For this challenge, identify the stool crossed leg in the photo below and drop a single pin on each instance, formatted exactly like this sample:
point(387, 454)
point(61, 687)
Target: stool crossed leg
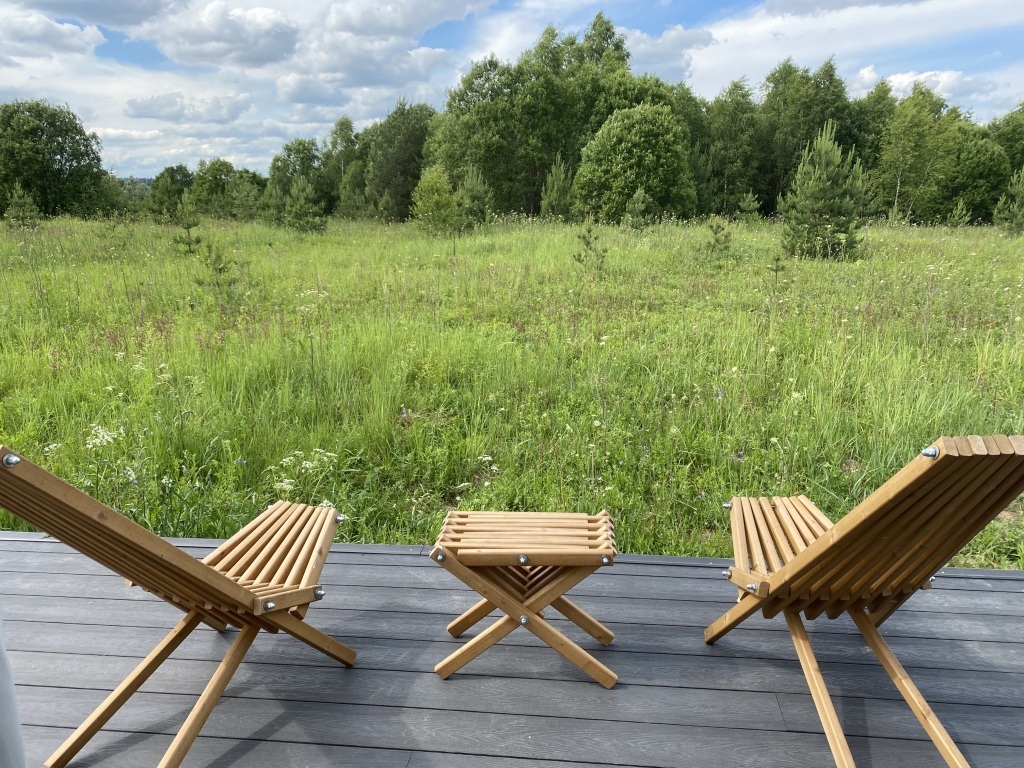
point(523, 599)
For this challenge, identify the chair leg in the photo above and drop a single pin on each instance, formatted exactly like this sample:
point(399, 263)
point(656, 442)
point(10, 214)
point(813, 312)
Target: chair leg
point(123, 692)
point(470, 617)
point(201, 711)
point(939, 736)
point(466, 653)
point(583, 620)
point(312, 637)
point(729, 620)
point(822, 701)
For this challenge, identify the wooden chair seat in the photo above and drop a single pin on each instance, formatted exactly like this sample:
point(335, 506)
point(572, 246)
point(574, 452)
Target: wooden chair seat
point(790, 558)
point(263, 577)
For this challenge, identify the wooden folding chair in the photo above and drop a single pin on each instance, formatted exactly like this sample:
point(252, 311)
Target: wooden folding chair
point(521, 563)
point(791, 559)
point(264, 577)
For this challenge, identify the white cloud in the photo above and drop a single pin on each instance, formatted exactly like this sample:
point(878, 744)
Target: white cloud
point(176, 108)
point(219, 35)
point(406, 18)
point(253, 74)
point(31, 35)
point(669, 54)
point(752, 44)
point(106, 12)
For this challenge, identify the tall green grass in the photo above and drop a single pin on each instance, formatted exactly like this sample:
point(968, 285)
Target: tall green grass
point(379, 370)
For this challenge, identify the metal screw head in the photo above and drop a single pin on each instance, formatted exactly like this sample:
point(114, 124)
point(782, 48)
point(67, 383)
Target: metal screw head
point(931, 579)
point(725, 573)
point(605, 560)
point(932, 452)
point(319, 594)
point(10, 460)
point(752, 587)
point(269, 606)
point(440, 556)
point(524, 620)
point(727, 505)
point(339, 519)
point(523, 559)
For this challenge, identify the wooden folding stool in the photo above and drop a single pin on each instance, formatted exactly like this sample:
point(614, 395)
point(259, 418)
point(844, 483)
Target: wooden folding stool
point(521, 563)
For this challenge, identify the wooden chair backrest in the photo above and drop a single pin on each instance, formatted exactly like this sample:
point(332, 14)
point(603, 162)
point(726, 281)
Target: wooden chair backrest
point(125, 547)
point(894, 541)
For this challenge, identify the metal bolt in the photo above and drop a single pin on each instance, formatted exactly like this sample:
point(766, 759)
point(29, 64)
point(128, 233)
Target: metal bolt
point(440, 557)
point(339, 519)
point(524, 620)
point(725, 573)
point(269, 606)
point(523, 559)
point(752, 587)
point(932, 452)
point(319, 594)
point(931, 579)
point(605, 560)
point(11, 460)
point(727, 505)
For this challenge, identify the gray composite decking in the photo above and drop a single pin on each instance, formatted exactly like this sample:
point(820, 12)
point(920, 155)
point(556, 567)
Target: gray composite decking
point(74, 630)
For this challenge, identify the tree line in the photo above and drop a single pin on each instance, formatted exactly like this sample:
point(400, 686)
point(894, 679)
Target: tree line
point(564, 131)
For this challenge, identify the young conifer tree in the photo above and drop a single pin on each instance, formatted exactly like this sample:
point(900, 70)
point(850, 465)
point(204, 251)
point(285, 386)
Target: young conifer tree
point(556, 194)
point(1009, 212)
point(22, 212)
point(822, 210)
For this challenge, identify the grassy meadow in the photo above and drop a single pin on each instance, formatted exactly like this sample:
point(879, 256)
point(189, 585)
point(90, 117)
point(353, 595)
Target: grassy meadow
point(375, 369)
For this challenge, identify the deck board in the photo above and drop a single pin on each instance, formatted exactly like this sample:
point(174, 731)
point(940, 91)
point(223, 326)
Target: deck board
point(74, 630)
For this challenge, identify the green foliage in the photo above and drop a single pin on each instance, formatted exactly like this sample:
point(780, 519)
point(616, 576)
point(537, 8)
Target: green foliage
point(721, 237)
point(911, 166)
point(210, 185)
point(960, 216)
point(302, 210)
point(435, 206)
point(556, 194)
point(22, 212)
point(869, 118)
point(167, 189)
point(394, 157)
point(821, 211)
point(795, 106)
point(352, 202)
point(190, 405)
point(639, 211)
point(298, 158)
point(748, 208)
point(591, 253)
point(976, 173)
point(272, 204)
point(186, 217)
point(47, 151)
point(1009, 213)
point(474, 198)
point(244, 192)
point(1008, 131)
point(339, 151)
point(732, 154)
point(641, 146)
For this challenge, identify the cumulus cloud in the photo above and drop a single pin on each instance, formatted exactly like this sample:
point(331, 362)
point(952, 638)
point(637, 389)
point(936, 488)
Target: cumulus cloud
point(36, 35)
point(667, 54)
point(174, 107)
point(952, 85)
point(248, 37)
point(107, 12)
point(406, 18)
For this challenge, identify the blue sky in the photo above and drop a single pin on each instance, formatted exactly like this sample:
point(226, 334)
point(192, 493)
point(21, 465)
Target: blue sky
point(176, 81)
